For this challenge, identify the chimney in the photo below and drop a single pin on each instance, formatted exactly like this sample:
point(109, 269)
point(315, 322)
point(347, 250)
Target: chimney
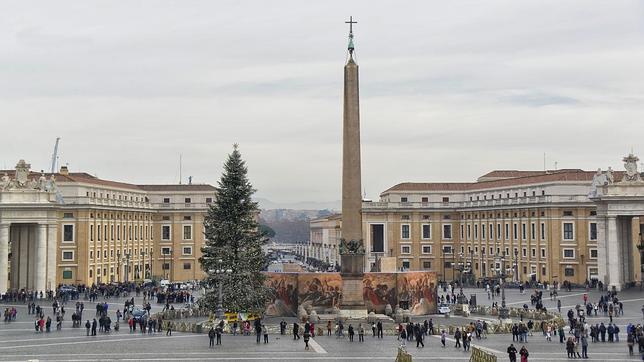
point(64, 170)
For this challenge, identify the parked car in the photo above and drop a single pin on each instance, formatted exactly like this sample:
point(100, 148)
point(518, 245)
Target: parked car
point(443, 309)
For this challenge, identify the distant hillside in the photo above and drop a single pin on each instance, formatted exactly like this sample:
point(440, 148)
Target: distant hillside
point(300, 205)
point(290, 226)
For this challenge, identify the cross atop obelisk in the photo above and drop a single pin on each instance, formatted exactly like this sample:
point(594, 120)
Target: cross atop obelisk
point(351, 47)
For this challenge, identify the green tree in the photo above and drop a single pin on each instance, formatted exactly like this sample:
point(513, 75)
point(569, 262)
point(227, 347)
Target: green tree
point(234, 242)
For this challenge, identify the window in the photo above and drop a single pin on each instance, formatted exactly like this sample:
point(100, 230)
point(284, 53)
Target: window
point(447, 264)
point(404, 231)
point(68, 255)
point(543, 231)
point(498, 231)
point(165, 251)
point(568, 231)
point(592, 234)
point(447, 249)
point(403, 199)
point(68, 215)
point(524, 252)
point(569, 272)
point(427, 264)
point(533, 231)
point(507, 231)
point(427, 249)
point(166, 200)
point(445, 199)
point(91, 255)
point(515, 231)
point(91, 273)
point(405, 249)
point(165, 232)
point(491, 231)
point(91, 232)
point(483, 232)
point(187, 250)
point(476, 231)
point(569, 253)
point(533, 252)
point(405, 217)
point(405, 264)
point(593, 213)
point(447, 231)
point(543, 270)
point(187, 200)
point(543, 252)
point(427, 231)
point(593, 253)
point(523, 231)
point(187, 232)
point(165, 218)
point(462, 231)
point(208, 200)
point(187, 266)
point(68, 233)
point(377, 238)
point(469, 231)
point(424, 200)
point(165, 266)
point(567, 213)
point(67, 274)
point(187, 217)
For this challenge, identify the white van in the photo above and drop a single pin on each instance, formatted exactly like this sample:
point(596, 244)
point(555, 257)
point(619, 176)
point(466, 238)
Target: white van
point(164, 283)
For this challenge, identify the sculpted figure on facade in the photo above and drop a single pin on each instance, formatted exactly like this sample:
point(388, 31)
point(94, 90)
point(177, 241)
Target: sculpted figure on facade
point(5, 182)
point(42, 182)
point(630, 164)
point(599, 179)
point(609, 175)
point(33, 183)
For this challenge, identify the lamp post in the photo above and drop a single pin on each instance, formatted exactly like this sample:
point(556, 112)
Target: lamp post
point(640, 247)
point(516, 265)
point(461, 267)
point(503, 311)
point(220, 272)
point(127, 266)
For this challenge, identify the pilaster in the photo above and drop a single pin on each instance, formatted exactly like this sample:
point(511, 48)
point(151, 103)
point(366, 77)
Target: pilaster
point(4, 257)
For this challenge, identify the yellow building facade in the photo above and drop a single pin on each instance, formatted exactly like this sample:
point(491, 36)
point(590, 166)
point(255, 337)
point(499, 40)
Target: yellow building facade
point(102, 231)
point(529, 225)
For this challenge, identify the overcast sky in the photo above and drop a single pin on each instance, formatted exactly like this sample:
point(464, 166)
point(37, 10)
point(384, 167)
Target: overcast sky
point(449, 90)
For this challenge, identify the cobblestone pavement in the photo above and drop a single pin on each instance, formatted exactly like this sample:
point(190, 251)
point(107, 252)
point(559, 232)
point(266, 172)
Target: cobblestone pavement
point(18, 341)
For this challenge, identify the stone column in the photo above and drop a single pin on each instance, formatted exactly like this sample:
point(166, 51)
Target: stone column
point(602, 250)
point(614, 267)
point(52, 252)
point(23, 261)
point(40, 266)
point(4, 257)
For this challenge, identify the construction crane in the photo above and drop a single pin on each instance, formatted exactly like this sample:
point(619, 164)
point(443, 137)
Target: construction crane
point(54, 156)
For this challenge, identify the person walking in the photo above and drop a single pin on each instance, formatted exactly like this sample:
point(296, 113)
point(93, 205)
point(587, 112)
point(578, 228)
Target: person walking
point(373, 329)
point(88, 325)
point(584, 346)
point(570, 348)
point(168, 331)
point(457, 337)
point(218, 332)
point(523, 352)
point(512, 353)
point(296, 331)
point(379, 326)
point(211, 337)
point(329, 326)
point(94, 327)
point(419, 338)
point(360, 333)
point(307, 336)
point(351, 332)
point(265, 333)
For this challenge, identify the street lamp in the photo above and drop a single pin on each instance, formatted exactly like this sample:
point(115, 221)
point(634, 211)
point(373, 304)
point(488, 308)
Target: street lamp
point(516, 265)
point(461, 267)
point(127, 265)
point(640, 247)
point(220, 272)
point(503, 311)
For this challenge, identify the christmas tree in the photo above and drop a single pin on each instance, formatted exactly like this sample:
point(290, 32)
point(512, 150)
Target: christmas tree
point(234, 244)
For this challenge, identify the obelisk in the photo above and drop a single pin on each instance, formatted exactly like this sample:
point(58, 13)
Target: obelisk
point(351, 246)
point(351, 173)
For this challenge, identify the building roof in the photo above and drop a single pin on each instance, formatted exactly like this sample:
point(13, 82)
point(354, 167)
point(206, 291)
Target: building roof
point(527, 179)
point(83, 177)
point(189, 187)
